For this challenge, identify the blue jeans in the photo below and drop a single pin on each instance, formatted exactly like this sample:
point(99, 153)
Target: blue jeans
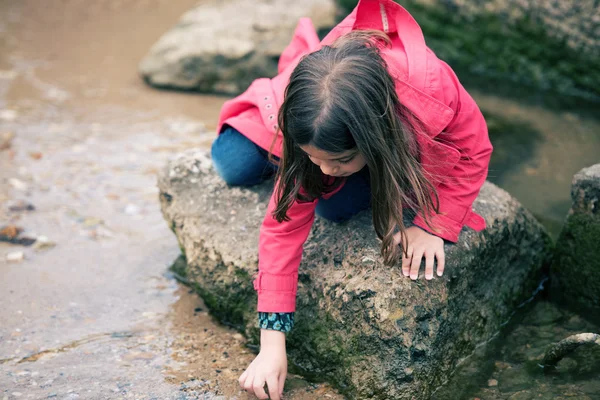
point(240, 162)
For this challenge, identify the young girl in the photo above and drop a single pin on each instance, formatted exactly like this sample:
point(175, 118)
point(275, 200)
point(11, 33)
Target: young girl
point(368, 117)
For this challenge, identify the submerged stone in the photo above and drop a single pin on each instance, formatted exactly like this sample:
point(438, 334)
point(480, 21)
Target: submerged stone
point(576, 266)
point(360, 325)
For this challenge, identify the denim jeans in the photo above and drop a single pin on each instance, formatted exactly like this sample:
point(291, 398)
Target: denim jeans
point(240, 162)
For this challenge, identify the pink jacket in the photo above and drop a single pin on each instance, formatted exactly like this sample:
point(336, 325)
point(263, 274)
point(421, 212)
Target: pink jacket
point(455, 148)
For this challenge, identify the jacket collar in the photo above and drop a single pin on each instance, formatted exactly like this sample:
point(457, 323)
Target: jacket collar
point(390, 17)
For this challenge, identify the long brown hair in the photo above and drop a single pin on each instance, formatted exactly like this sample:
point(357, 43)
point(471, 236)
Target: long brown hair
point(342, 97)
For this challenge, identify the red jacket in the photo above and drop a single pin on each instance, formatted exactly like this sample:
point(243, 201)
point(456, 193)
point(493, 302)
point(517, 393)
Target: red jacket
point(455, 149)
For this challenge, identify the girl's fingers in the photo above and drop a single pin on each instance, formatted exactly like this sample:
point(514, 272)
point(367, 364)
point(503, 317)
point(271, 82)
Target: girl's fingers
point(441, 261)
point(258, 386)
point(248, 383)
point(406, 262)
point(429, 259)
point(415, 264)
point(281, 383)
point(273, 386)
point(242, 378)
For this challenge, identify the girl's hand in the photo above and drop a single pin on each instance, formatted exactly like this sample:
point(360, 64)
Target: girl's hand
point(269, 366)
point(422, 244)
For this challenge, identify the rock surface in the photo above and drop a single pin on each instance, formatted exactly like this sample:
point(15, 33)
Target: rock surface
point(360, 325)
point(223, 46)
point(577, 22)
point(576, 267)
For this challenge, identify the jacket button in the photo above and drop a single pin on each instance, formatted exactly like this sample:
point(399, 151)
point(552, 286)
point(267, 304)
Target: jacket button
point(271, 117)
point(275, 127)
point(268, 106)
point(266, 98)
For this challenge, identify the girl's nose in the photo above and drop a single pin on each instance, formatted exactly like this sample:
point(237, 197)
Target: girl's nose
point(328, 170)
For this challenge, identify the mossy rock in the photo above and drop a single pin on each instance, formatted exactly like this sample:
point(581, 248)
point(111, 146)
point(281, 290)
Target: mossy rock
point(576, 266)
point(528, 43)
point(360, 325)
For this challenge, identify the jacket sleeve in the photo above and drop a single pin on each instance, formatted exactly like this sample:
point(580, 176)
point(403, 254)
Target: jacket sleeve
point(279, 254)
point(467, 132)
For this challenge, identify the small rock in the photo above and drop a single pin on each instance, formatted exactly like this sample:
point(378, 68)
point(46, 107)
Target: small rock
point(18, 184)
point(8, 115)
point(42, 242)
point(92, 221)
point(492, 382)
point(6, 140)
point(21, 206)
point(16, 256)
point(10, 232)
point(522, 395)
point(132, 209)
point(36, 155)
point(102, 231)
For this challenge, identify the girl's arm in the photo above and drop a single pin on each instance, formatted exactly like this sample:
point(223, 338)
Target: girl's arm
point(279, 255)
point(467, 132)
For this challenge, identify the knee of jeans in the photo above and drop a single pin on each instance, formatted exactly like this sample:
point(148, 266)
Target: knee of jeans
point(234, 173)
point(215, 149)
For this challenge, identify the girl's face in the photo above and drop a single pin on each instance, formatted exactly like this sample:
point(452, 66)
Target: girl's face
point(336, 164)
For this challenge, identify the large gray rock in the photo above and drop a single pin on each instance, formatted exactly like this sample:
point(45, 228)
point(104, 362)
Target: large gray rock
point(360, 325)
point(576, 267)
point(222, 46)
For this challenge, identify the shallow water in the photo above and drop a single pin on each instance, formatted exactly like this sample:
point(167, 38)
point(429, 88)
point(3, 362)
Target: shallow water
point(509, 367)
point(98, 315)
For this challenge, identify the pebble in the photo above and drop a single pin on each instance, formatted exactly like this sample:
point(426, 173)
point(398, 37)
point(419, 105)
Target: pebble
point(8, 115)
point(20, 206)
point(18, 184)
point(15, 256)
point(132, 209)
point(10, 231)
point(492, 382)
point(42, 242)
point(92, 221)
point(6, 140)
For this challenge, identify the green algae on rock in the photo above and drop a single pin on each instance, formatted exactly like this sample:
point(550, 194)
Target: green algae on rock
point(576, 266)
point(547, 44)
point(360, 325)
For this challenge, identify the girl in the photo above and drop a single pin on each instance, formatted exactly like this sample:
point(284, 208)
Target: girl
point(370, 118)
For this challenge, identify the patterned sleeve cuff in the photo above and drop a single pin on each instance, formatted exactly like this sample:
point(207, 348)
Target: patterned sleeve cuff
point(282, 322)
